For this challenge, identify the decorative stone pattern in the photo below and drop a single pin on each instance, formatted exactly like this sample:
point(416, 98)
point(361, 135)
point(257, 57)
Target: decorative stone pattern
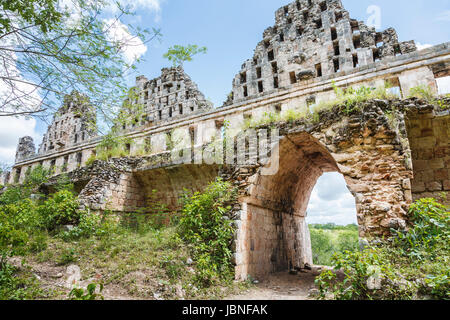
point(389, 152)
point(73, 124)
point(312, 39)
point(25, 149)
point(171, 96)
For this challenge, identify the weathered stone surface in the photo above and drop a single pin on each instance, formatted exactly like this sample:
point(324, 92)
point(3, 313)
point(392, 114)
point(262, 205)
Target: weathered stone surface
point(390, 152)
point(25, 149)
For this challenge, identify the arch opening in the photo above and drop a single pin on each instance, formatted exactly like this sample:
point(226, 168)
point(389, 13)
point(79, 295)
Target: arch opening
point(331, 219)
point(274, 235)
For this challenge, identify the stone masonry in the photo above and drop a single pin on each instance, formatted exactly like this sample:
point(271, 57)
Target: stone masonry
point(312, 39)
point(390, 152)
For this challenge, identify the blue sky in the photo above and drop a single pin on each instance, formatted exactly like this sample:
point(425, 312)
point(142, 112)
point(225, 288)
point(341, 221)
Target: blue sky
point(230, 30)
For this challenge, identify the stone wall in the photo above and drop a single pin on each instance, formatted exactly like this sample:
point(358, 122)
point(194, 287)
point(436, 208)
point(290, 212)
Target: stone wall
point(429, 136)
point(25, 149)
point(312, 39)
point(369, 149)
point(72, 124)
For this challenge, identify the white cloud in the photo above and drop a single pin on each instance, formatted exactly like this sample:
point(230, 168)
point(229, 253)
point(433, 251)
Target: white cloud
point(331, 201)
point(12, 92)
point(152, 6)
point(11, 129)
point(444, 16)
point(423, 46)
point(132, 47)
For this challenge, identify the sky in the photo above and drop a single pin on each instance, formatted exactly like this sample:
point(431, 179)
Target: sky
point(231, 30)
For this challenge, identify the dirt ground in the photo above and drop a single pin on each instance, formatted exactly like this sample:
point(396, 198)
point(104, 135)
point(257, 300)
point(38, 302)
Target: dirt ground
point(281, 286)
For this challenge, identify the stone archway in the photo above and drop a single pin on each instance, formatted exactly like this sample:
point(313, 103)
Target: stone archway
point(272, 233)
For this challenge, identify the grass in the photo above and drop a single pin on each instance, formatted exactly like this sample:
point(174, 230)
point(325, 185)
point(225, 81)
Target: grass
point(348, 98)
point(138, 264)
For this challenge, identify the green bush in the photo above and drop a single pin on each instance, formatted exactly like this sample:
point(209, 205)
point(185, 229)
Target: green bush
point(14, 286)
point(60, 209)
point(422, 92)
point(33, 180)
point(410, 265)
point(431, 224)
point(327, 239)
point(205, 226)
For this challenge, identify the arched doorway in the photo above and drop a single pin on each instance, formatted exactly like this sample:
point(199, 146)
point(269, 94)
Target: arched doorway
point(273, 233)
point(332, 219)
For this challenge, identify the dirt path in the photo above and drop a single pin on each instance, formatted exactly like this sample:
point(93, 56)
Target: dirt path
point(281, 286)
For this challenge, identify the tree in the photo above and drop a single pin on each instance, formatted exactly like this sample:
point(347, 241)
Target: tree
point(4, 167)
point(48, 51)
point(179, 54)
point(41, 13)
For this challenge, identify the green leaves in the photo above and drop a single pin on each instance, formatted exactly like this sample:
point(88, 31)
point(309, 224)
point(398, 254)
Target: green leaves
point(55, 50)
point(179, 54)
point(60, 209)
point(410, 265)
point(88, 294)
point(203, 224)
point(42, 13)
point(431, 224)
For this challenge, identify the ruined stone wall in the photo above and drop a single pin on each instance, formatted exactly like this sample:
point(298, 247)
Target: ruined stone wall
point(72, 124)
point(368, 148)
point(312, 39)
point(429, 137)
point(171, 96)
point(408, 70)
point(25, 149)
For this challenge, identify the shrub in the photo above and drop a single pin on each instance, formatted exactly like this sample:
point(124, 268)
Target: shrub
point(60, 209)
point(91, 225)
point(89, 294)
point(205, 226)
point(321, 246)
point(422, 92)
point(14, 286)
point(33, 179)
point(412, 264)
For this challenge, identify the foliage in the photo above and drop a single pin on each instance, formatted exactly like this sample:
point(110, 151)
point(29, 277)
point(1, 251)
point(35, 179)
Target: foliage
point(59, 48)
point(33, 180)
point(42, 13)
point(422, 92)
point(68, 256)
point(60, 209)
point(180, 54)
point(205, 226)
point(347, 99)
point(410, 265)
point(89, 294)
point(431, 225)
point(350, 98)
point(15, 286)
point(328, 239)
